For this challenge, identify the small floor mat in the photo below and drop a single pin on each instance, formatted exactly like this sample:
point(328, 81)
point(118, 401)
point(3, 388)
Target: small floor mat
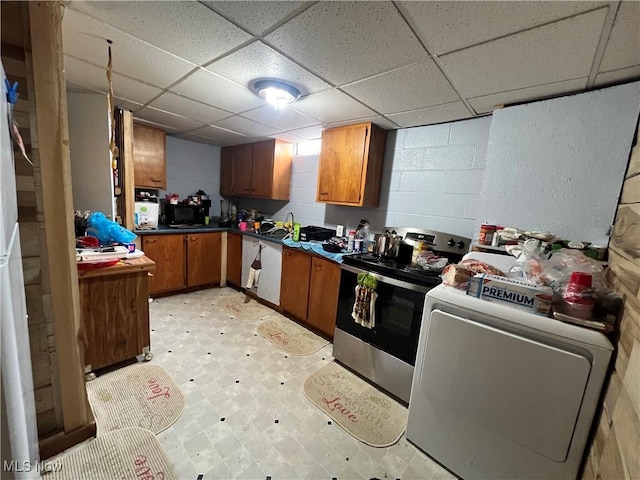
point(128, 453)
point(366, 413)
point(141, 395)
point(291, 337)
point(241, 306)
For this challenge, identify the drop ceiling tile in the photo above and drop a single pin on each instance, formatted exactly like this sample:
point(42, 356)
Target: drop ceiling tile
point(560, 51)
point(182, 28)
point(167, 128)
point(382, 122)
point(127, 104)
point(447, 26)
point(197, 139)
point(186, 107)
point(212, 89)
point(331, 106)
point(94, 77)
point(308, 133)
point(618, 75)
point(408, 88)
point(256, 17)
point(245, 126)
point(623, 46)
point(284, 119)
point(85, 38)
point(486, 103)
point(258, 61)
point(428, 116)
point(222, 136)
point(166, 118)
point(348, 41)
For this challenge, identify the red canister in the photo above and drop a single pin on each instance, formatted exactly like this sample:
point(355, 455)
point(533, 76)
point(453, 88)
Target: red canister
point(486, 234)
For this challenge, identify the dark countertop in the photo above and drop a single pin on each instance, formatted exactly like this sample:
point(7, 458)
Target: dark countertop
point(166, 230)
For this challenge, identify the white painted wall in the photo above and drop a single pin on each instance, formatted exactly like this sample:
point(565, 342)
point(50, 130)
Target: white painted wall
point(191, 167)
point(432, 178)
point(558, 165)
point(89, 134)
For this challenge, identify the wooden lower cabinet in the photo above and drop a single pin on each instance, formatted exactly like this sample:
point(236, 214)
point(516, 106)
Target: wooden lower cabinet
point(234, 259)
point(294, 290)
point(309, 289)
point(203, 258)
point(168, 252)
point(183, 261)
point(323, 295)
point(115, 313)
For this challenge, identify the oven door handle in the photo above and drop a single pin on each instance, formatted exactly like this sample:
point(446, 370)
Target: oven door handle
point(387, 280)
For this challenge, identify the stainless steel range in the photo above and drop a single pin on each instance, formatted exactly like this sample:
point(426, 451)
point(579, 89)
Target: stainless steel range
point(386, 353)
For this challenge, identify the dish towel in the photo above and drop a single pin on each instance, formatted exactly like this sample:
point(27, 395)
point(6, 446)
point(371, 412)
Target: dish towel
point(254, 271)
point(364, 308)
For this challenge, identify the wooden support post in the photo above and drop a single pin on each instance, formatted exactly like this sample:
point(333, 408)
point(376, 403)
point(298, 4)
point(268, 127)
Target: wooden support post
point(53, 143)
point(128, 189)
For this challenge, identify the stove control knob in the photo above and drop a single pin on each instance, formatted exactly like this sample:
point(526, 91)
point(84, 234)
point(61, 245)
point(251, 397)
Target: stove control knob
point(460, 245)
point(451, 242)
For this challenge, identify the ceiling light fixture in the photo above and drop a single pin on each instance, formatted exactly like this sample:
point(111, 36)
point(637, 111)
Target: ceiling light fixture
point(276, 92)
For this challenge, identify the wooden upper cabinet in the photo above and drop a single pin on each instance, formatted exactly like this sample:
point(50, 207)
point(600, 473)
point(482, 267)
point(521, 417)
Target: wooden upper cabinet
point(261, 169)
point(241, 171)
point(350, 166)
point(226, 172)
point(149, 157)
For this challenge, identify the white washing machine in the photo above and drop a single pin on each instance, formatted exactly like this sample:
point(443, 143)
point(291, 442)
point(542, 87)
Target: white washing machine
point(498, 392)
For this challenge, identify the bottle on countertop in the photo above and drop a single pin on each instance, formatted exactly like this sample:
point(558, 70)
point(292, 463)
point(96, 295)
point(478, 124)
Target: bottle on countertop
point(351, 238)
point(363, 233)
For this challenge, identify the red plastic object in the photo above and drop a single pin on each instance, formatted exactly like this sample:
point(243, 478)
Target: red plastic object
point(581, 278)
point(95, 264)
point(88, 241)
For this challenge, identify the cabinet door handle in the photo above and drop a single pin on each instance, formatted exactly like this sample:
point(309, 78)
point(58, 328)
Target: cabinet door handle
point(156, 180)
point(324, 193)
point(133, 306)
point(152, 240)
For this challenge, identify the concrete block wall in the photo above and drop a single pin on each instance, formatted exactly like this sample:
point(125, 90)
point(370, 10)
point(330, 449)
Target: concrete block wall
point(432, 177)
point(193, 166)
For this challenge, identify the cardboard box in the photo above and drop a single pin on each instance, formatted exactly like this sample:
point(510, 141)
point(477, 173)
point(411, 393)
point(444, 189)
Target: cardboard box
point(533, 298)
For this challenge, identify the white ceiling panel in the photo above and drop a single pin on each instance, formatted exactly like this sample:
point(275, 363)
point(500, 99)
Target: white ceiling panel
point(197, 138)
point(616, 76)
point(258, 61)
point(214, 90)
point(428, 116)
point(256, 16)
point(95, 78)
point(170, 102)
point(331, 106)
point(624, 34)
point(348, 41)
point(224, 137)
point(353, 61)
point(167, 128)
point(189, 30)
point(246, 126)
point(166, 118)
point(85, 38)
point(284, 119)
point(448, 26)
point(560, 51)
point(408, 88)
point(486, 103)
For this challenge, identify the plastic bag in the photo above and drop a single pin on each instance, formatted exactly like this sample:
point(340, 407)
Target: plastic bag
point(564, 262)
point(531, 264)
point(108, 231)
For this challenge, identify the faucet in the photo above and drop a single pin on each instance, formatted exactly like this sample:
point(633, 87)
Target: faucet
point(292, 221)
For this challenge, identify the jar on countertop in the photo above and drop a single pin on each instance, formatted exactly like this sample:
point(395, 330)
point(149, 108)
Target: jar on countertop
point(486, 234)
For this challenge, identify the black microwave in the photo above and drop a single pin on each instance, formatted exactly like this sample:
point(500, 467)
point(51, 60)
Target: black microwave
point(182, 214)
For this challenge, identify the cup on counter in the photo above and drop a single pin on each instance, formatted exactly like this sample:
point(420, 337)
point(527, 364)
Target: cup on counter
point(242, 226)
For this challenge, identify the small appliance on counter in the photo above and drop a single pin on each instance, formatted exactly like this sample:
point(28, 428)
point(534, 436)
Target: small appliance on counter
point(320, 234)
point(146, 213)
point(181, 214)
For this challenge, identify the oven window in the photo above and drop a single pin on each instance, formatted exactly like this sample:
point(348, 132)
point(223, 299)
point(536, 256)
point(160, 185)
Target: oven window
point(398, 316)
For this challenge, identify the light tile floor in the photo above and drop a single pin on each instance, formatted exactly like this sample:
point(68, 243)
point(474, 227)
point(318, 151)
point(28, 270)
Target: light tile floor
point(246, 416)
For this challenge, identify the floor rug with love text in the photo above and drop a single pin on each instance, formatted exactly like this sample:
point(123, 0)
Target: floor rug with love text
point(290, 337)
point(242, 306)
point(133, 453)
point(366, 413)
point(141, 395)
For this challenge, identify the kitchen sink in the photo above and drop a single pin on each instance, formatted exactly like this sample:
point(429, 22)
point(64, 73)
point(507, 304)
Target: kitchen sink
point(278, 233)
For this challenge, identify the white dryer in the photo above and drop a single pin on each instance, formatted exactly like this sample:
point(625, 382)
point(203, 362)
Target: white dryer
point(498, 392)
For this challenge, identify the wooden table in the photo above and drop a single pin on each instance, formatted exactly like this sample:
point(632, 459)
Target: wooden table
point(115, 313)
